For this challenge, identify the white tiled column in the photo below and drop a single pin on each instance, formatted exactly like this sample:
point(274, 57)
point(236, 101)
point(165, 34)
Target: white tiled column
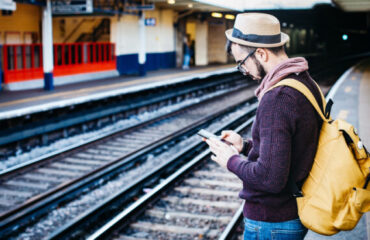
point(47, 46)
point(201, 44)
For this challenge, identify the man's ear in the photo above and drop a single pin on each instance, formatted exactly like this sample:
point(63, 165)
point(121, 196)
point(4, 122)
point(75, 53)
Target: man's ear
point(262, 54)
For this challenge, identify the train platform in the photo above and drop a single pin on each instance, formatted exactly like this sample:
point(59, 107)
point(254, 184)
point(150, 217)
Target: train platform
point(351, 96)
point(20, 103)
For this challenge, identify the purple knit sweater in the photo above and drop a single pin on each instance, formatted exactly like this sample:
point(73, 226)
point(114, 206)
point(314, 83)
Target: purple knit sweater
point(285, 136)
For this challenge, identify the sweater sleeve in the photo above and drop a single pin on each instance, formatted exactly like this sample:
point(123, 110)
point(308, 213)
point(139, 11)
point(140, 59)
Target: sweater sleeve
point(276, 125)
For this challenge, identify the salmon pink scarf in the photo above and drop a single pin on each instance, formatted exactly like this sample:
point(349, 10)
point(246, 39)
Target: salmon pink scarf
point(287, 67)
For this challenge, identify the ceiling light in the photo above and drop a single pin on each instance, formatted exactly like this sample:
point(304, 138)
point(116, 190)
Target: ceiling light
point(190, 5)
point(216, 15)
point(230, 16)
point(171, 1)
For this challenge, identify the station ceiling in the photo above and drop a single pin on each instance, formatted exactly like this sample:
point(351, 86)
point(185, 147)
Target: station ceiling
point(237, 5)
point(248, 5)
point(353, 5)
point(225, 5)
point(182, 5)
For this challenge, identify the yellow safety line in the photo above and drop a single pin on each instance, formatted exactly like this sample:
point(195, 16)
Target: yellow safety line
point(116, 85)
point(363, 110)
point(364, 69)
point(348, 89)
point(343, 114)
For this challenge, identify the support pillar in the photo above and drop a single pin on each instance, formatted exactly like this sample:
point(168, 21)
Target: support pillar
point(201, 44)
point(1, 73)
point(142, 42)
point(47, 46)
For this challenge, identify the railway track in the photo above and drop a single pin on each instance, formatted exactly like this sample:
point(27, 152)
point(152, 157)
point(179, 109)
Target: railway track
point(199, 201)
point(21, 134)
point(178, 156)
point(29, 192)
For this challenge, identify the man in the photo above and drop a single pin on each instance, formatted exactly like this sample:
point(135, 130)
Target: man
point(187, 52)
point(284, 134)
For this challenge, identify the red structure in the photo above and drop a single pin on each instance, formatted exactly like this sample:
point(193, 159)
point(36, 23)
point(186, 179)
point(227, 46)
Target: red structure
point(24, 61)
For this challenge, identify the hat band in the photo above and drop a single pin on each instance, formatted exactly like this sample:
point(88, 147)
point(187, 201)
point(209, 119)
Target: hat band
point(268, 39)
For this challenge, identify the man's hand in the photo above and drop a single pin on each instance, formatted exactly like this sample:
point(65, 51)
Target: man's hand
point(235, 139)
point(222, 151)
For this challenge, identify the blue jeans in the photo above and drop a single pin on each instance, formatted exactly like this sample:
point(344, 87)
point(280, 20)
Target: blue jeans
point(186, 62)
point(289, 230)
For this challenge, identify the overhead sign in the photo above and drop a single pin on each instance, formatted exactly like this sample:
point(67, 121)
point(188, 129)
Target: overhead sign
point(7, 5)
point(140, 7)
point(150, 21)
point(72, 6)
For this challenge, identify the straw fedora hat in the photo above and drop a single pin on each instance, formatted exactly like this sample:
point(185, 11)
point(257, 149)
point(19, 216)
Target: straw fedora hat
point(257, 30)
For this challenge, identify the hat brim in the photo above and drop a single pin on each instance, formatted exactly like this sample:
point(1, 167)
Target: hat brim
point(284, 40)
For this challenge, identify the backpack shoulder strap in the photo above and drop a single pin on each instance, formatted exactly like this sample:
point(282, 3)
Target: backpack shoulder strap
point(306, 92)
point(322, 96)
point(292, 185)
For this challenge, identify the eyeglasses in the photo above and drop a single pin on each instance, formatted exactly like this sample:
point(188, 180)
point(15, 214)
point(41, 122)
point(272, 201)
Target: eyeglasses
point(240, 64)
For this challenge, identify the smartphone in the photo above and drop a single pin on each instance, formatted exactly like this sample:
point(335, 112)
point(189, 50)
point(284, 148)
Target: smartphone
point(204, 133)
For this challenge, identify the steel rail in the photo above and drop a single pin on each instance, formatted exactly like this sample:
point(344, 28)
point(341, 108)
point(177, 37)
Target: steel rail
point(123, 218)
point(24, 131)
point(68, 150)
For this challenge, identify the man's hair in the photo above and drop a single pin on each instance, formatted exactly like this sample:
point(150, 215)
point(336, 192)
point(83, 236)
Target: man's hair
point(275, 50)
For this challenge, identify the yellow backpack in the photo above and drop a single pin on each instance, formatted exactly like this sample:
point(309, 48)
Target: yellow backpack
point(335, 193)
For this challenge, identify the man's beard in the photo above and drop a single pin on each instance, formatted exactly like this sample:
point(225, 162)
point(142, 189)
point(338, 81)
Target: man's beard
point(261, 71)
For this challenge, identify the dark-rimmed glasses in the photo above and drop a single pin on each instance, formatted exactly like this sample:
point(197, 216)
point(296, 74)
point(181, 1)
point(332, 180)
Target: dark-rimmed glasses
point(240, 64)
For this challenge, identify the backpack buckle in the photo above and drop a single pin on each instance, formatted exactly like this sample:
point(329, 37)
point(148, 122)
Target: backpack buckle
point(327, 109)
point(298, 194)
point(367, 181)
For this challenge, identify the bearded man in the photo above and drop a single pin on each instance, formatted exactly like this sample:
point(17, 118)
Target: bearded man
point(284, 134)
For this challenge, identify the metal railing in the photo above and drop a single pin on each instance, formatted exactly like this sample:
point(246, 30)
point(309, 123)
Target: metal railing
point(24, 61)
